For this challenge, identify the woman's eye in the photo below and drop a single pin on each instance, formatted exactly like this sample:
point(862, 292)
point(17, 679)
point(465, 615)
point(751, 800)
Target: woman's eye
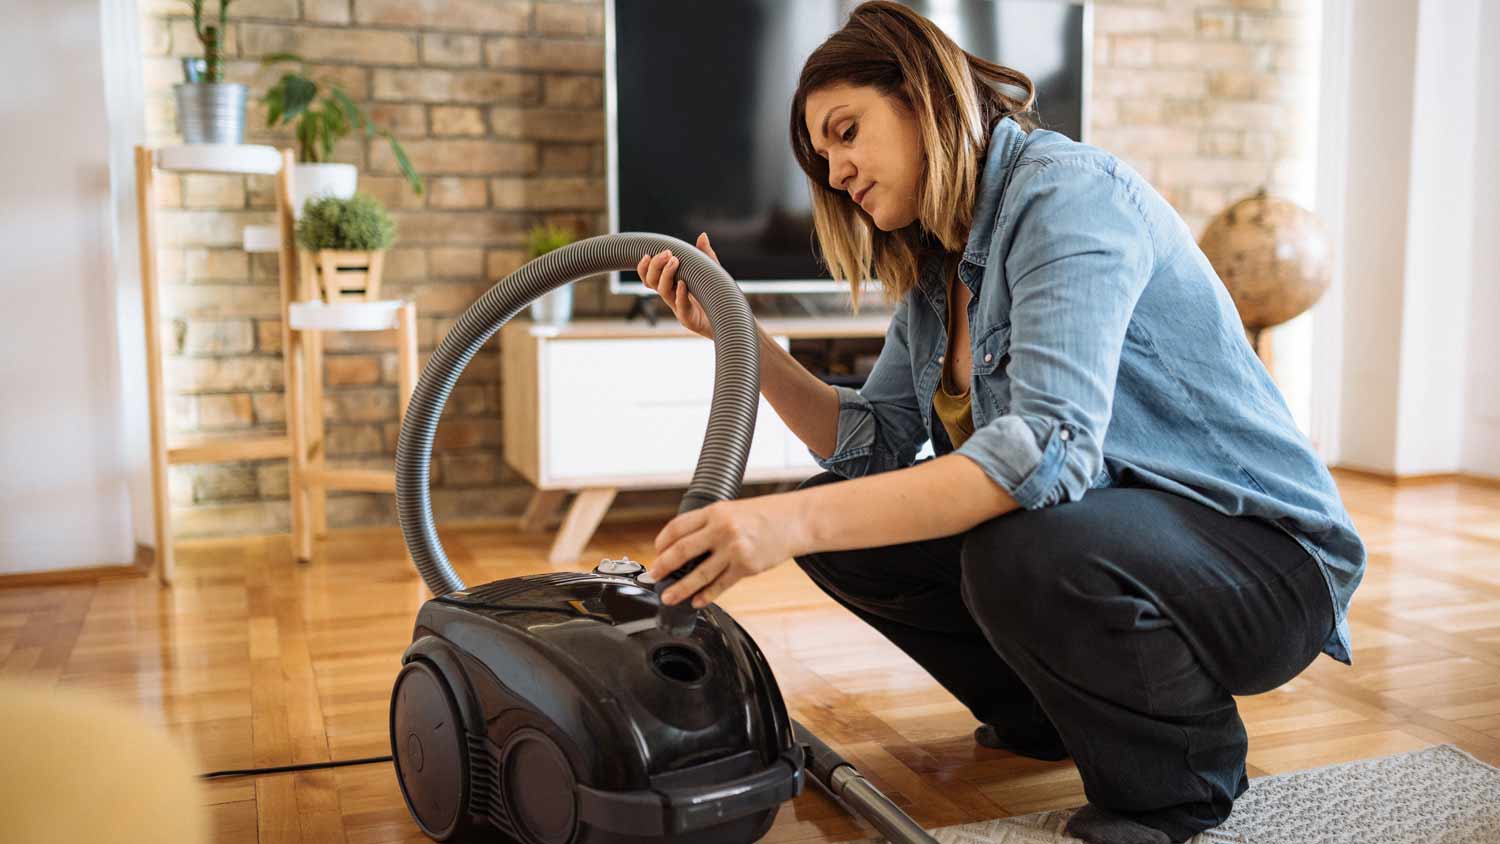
point(850, 132)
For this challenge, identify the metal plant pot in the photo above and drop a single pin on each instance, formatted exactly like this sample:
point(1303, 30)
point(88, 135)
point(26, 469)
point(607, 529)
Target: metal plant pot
point(211, 112)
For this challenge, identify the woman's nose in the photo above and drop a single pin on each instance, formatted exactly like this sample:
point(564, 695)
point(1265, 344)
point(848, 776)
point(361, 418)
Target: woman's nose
point(839, 176)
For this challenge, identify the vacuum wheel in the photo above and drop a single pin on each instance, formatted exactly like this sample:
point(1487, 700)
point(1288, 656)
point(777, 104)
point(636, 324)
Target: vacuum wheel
point(538, 784)
point(428, 745)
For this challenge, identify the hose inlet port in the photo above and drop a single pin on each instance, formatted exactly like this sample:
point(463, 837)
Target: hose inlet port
point(680, 664)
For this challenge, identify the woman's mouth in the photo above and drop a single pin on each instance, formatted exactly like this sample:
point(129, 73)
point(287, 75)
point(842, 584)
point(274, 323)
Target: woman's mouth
point(859, 199)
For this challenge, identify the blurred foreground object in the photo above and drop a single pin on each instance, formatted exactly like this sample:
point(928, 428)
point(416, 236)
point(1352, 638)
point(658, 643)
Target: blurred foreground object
point(1274, 257)
point(77, 768)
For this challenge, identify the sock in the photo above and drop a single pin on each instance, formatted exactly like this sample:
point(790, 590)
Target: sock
point(1101, 826)
point(1047, 748)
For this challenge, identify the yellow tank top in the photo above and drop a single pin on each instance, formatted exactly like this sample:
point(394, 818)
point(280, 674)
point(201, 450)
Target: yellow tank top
point(954, 411)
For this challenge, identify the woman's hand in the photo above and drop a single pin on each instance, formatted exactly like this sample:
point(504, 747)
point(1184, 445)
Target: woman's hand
point(741, 538)
point(659, 272)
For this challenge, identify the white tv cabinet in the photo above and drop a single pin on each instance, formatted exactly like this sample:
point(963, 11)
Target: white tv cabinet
point(600, 405)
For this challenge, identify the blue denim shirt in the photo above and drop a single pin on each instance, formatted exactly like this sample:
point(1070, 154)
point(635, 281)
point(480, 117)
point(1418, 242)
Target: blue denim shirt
point(1105, 351)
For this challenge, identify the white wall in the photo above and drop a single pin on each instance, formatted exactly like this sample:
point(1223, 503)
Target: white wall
point(1481, 437)
point(1440, 237)
point(65, 492)
point(1415, 234)
point(1377, 160)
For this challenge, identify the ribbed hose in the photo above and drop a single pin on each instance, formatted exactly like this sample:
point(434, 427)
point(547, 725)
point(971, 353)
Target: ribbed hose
point(731, 416)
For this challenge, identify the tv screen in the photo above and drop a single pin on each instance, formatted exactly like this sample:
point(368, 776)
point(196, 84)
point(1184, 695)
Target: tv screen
point(699, 99)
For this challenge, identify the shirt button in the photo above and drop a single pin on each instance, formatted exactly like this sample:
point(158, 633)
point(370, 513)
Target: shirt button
point(940, 358)
point(1065, 434)
point(988, 358)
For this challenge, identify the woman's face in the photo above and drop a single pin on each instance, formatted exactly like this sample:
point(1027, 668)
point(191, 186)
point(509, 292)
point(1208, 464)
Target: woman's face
point(872, 148)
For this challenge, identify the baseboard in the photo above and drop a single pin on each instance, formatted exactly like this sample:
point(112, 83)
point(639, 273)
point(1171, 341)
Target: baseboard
point(145, 561)
point(1423, 479)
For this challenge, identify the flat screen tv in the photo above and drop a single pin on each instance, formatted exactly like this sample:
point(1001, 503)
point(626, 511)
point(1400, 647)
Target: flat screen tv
point(698, 100)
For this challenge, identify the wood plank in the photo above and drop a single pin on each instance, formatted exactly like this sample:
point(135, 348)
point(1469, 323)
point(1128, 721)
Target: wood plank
point(361, 480)
point(226, 450)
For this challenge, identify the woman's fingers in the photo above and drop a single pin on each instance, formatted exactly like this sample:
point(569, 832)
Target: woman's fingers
point(719, 586)
point(642, 269)
point(698, 578)
point(664, 271)
point(707, 248)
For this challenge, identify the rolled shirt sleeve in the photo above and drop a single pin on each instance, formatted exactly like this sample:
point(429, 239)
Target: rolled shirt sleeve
point(1079, 257)
point(880, 425)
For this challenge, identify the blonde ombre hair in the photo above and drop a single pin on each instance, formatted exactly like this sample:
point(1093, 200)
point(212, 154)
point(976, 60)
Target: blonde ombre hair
point(956, 99)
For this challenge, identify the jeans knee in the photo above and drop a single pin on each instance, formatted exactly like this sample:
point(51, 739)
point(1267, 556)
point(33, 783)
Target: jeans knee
point(1021, 575)
point(997, 586)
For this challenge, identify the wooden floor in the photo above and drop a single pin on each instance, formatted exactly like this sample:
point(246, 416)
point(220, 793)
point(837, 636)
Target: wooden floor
point(257, 661)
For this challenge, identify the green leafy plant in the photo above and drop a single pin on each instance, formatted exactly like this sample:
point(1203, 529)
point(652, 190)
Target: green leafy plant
point(324, 114)
point(212, 38)
point(544, 239)
point(359, 223)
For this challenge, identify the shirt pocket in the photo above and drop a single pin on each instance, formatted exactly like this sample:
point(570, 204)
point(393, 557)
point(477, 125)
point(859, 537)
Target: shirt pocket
point(991, 384)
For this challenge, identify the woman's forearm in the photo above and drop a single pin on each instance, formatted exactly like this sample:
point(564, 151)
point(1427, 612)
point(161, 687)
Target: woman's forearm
point(807, 405)
point(934, 498)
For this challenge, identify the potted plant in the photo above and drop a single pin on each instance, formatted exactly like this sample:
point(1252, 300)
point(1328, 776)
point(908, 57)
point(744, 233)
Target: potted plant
point(210, 110)
point(324, 114)
point(343, 246)
point(556, 306)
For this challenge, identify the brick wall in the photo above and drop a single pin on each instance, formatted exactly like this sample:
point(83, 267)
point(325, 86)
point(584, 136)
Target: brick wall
point(1209, 99)
point(499, 105)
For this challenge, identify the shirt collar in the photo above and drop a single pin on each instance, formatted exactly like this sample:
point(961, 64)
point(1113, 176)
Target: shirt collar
point(1006, 141)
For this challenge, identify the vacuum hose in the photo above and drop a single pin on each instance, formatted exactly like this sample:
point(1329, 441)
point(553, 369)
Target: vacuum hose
point(731, 416)
point(721, 462)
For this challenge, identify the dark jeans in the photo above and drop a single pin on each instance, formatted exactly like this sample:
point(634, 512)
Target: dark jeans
point(1127, 619)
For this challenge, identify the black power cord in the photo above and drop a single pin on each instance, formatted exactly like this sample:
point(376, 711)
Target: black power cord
point(286, 769)
point(313, 766)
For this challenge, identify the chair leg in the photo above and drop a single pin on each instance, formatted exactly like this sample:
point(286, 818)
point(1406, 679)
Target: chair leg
point(406, 355)
point(296, 428)
point(317, 442)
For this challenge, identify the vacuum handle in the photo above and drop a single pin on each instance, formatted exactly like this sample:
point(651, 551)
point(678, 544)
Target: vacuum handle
point(679, 618)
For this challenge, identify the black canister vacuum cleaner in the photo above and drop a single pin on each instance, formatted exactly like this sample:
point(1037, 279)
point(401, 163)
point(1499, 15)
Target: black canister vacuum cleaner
point(576, 708)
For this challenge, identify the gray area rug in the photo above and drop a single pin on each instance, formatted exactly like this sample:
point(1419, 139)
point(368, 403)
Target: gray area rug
point(1438, 795)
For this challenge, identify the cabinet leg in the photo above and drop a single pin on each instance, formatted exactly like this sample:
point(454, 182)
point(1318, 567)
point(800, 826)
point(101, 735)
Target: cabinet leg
point(578, 526)
point(544, 505)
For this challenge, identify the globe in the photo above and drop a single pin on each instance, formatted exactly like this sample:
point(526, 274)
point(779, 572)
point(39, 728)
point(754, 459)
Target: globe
point(1272, 255)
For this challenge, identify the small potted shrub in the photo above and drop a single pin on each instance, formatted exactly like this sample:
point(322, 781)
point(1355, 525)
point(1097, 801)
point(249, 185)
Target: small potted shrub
point(323, 114)
point(209, 110)
point(343, 246)
point(554, 307)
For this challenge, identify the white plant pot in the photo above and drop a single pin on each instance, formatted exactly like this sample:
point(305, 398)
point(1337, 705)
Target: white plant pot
point(310, 180)
point(554, 307)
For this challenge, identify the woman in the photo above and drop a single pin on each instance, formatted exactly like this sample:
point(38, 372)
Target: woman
point(1122, 526)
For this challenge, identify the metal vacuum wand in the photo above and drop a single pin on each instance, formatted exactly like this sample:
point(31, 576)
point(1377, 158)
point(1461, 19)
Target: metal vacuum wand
point(840, 779)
